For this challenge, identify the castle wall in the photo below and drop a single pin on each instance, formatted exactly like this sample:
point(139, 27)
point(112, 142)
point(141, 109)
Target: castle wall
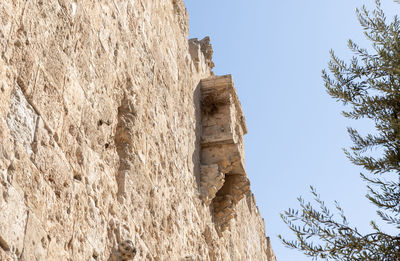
point(101, 136)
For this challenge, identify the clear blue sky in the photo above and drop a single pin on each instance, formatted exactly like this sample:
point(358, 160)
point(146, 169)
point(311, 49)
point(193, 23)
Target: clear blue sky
point(275, 51)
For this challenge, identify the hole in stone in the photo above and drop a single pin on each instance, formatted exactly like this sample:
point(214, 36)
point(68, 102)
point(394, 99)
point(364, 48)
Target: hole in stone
point(70, 245)
point(44, 242)
point(78, 176)
point(55, 136)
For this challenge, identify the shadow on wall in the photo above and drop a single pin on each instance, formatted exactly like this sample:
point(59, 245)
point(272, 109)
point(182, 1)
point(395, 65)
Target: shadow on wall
point(198, 130)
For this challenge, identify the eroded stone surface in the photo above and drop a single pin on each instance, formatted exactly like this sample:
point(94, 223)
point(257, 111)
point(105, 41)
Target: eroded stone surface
point(101, 141)
point(201, 52)
point(211, 180)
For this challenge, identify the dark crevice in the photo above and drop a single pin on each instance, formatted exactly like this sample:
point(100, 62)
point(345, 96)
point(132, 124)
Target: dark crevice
point(4, 245)
point(78, 176)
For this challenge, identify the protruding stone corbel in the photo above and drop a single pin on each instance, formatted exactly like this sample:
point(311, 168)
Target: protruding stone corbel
point(223, 178)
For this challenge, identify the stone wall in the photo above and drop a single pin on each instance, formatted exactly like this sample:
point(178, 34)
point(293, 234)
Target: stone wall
point(107, 137)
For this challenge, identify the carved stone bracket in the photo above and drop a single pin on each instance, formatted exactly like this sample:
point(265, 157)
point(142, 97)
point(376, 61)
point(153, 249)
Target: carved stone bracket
point(223, 177)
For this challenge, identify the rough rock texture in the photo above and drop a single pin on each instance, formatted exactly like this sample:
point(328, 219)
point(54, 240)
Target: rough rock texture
point(109, 118)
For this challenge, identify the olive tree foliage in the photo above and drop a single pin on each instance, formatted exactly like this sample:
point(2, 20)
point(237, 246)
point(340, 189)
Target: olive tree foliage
point(369, 86)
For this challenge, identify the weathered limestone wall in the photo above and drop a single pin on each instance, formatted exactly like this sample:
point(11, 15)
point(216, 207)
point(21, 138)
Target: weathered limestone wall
point(104, 122)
